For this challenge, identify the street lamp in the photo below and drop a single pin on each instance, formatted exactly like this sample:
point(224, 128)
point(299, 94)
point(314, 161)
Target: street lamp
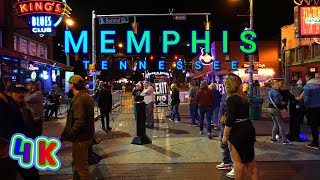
point(69, 22)
point(120, 45)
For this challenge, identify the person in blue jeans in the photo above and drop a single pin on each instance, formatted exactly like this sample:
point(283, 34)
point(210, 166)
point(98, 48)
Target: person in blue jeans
point(205, 101)
point(216, 105)
point(226, 163)
point(193, 109)
point(175, 102)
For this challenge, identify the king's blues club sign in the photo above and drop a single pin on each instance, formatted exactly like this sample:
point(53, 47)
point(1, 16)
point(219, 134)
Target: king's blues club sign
point(43, 16)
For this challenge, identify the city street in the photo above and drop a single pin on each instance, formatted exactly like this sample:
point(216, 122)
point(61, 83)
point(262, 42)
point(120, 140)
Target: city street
point(179, 152)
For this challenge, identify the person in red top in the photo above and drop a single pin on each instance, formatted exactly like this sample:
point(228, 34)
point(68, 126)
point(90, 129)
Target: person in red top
point(205, 101)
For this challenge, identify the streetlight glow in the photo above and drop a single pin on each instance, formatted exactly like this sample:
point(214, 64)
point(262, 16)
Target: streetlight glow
point(69, 22)
point(120, 45)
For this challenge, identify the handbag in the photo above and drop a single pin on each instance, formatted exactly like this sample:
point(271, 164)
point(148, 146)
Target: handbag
point(283, 112)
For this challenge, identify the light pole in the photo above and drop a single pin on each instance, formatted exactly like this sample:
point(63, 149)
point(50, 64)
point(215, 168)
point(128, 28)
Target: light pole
point(69, 22)
point(251, 55)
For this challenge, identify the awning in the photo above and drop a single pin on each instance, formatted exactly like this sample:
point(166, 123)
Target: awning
point(34, 58)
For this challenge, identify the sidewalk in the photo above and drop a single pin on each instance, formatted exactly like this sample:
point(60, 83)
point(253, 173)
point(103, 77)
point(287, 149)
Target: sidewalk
point(178, 151)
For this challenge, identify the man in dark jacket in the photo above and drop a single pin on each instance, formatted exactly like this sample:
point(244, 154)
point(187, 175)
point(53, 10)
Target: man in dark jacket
point(105, 104)
point(79, 127)
point(53, 101)
point(11, 122)
point(17, 92)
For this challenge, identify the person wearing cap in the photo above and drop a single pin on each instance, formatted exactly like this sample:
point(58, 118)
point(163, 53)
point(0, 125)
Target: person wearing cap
point(136, 97)
point(79, 127)
point(34, 99)
point(105, 104)
point(148, 94)
point(11, 122)
point(17, 93)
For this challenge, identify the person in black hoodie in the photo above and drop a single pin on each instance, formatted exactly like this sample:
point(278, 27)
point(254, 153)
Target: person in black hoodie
point(105, 104)
point(290, 100)
point(175, 102)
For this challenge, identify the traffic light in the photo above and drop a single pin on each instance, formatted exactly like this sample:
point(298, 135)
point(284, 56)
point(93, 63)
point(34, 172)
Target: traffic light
point(207, 25)
point(175, 57)
point(135, 28)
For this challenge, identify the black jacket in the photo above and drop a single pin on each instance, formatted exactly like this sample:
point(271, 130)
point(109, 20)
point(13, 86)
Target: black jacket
point(105, 100)
point(175, 97)
point(11, 119)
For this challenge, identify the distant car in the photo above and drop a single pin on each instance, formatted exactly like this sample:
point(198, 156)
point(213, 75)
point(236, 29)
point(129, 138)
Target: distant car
point(268, 82)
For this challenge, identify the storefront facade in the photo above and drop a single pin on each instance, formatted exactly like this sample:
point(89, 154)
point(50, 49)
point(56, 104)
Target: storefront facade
point(266, 62)
point(302, 54)
point(25, 55)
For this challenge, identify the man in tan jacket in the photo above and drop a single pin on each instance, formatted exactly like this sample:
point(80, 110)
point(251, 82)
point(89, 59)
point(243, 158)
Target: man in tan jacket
point(79, 127)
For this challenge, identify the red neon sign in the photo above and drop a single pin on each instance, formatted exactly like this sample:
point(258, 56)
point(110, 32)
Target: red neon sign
point(31, 7)
point(309, 19)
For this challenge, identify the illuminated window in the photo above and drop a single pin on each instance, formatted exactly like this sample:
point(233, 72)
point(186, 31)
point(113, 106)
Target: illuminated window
point(227, 57)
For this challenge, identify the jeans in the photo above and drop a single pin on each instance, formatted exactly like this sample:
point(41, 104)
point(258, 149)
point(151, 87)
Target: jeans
point(80, 165)
point(313, 115)
point(205, 111)
point(215, 112)
point(193, 113)
point(175, 112)
point(226, 158)
point(278, 125)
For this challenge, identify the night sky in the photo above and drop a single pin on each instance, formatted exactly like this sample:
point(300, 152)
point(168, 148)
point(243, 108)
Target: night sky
point(269, 16)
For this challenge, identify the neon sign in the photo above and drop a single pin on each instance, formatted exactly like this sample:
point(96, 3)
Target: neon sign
point(53, 75)
point(44, 15)
point(205, 58)
point(309, 19)
point(45, 75)
point(33, 75)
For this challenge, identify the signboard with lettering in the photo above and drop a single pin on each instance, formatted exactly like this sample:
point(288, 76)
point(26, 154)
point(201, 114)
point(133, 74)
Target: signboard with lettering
point(114, 20)
point(24, 46)
point(33, 49)
point(161, 92)
point(44, 15)
point(309, 21)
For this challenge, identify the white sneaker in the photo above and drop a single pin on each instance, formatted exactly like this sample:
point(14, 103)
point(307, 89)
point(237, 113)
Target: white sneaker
point(277, 137)
point(230, 174)
point(201, 133)
point(224, 166)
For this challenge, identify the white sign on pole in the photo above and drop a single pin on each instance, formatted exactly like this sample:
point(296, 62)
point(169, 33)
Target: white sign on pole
point(68, 74)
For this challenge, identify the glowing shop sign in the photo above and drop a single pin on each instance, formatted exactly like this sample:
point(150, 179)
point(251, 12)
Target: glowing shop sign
point(45, 75)
point(53, 76)
point(44, 15)
point(309, 18)
point(41, 24)
point(205, 58)
point(33, 75)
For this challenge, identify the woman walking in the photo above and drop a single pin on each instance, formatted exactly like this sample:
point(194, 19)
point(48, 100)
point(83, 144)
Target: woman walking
point(239, 129)
point(275, 105)
point(175, 102)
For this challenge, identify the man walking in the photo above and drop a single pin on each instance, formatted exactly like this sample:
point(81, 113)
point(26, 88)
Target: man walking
point(105, 104)
point(79, 127)
point(148, 94)
point(193, 104)
point(312, 104)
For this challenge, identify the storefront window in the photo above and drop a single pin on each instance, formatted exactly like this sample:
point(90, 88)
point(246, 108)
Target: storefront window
point(9, 70)
point(299, 54)
point(316, 50)
point(306, 50)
